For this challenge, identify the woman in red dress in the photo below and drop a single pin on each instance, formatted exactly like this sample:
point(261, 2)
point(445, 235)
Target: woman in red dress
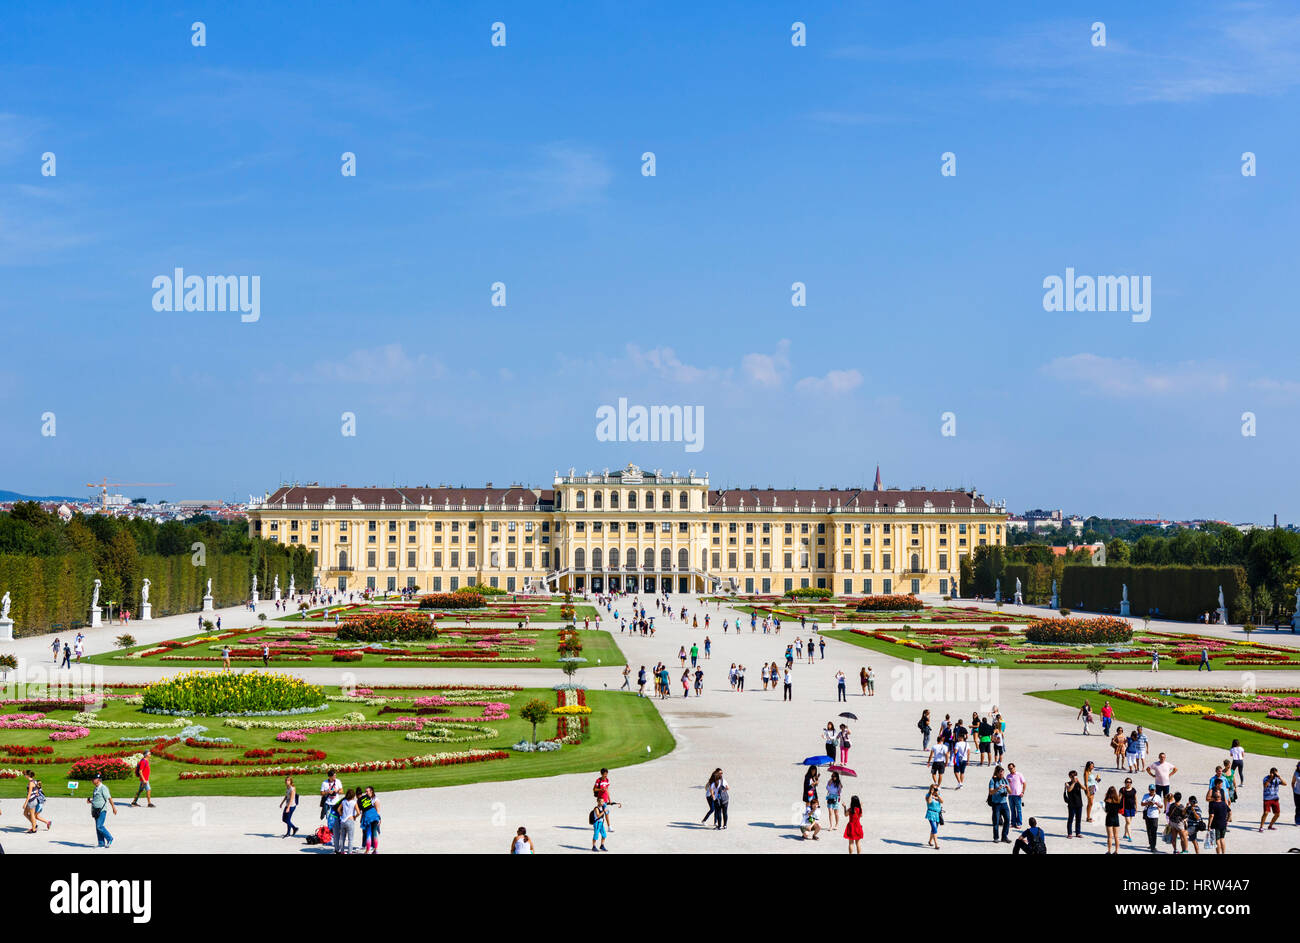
point(853, 830)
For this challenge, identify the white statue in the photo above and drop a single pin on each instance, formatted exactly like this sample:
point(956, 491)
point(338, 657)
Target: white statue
point(4, 606)
point(276, 584)
point(144, 592)
point(1124, 598)
point(1221, 605)
point(1017, 586)
point(1297, 599)
point(209, 592)
point(94, 599)
point(291, 590)
point(254, 582)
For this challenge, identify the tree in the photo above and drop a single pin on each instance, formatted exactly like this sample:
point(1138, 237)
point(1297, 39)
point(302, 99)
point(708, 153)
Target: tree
point(1263, 603)
point(535, 712)
point(1117, 552)
point(1095, 666)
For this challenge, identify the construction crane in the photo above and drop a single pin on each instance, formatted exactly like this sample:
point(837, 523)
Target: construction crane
point(104, 485)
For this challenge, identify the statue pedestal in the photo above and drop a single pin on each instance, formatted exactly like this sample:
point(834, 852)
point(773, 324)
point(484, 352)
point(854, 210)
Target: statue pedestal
point(6, 630)
point(257, 597)
point(1019, 600)
point(146, 612)
point(207, 604)
point(1124, 608)
point(276, 598)
point(1055, 603)
point(1223, 616)
point(96, 618)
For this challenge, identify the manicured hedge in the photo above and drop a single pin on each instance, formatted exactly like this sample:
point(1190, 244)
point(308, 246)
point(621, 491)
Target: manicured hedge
point(1179, 592)
point(808, 592)
point(1102, 630)
point(456, 600)
point(893, 603)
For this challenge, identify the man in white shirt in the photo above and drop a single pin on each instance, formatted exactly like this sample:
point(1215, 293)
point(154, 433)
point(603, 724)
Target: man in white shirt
point(331, 791)
point(960, 754)
point(938, 762)
point(1162, 771)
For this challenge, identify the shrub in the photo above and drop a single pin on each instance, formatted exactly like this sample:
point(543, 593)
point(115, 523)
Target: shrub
point(892, 603)
point(211, 692)
point(347, 656)
point(396, 625)
point(480, 589)
point(125, 640)
point(457, 600)
point(535, 712)
point(1097, 631)
point(999, 629)
point(8, 661)
point(108, 767)
point(808, 592)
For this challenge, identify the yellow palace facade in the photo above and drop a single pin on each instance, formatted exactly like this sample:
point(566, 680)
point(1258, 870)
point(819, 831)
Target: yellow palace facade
point(632, 529)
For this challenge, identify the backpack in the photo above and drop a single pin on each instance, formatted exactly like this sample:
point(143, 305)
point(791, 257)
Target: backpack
point(322, 836)
point(1037, 844)
point(591, 817)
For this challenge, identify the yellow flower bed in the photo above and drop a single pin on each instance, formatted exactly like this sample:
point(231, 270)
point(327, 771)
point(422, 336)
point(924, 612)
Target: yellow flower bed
point(571, 709)
point(1193, 709)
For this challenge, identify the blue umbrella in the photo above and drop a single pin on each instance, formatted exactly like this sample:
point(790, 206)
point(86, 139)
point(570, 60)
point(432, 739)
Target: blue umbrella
point(822, 760)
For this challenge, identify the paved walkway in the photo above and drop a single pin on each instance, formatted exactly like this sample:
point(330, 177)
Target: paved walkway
point(754, 736)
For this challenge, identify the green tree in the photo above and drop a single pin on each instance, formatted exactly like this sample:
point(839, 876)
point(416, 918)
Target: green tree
point(535, 712)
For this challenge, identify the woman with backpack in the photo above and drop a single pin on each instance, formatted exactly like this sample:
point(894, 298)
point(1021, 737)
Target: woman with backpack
point(923, 725)
point(708, 793)
point(596, 819)
point(34, 803)
point(721, 799)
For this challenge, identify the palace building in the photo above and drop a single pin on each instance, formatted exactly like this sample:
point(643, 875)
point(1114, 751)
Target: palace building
point(633, 529)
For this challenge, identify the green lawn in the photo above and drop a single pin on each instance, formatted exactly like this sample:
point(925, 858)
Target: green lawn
point(1186, 726)
point(598, 647)
point(621, 726)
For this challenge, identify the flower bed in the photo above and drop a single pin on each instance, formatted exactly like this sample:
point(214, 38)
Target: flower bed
point(892, 603)
point(222, 692)
point(1099, 630)
point(373, 766)
point(387, 626)
point(452, 601)
point(108, 767)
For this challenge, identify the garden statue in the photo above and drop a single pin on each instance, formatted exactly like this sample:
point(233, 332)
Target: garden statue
point(94, 598)
point(254, 584)
point(96, 619)
point(1019, 598)
point(291, 589)
point(209, 591)
point(144, 592)
point(1056, 600)
point(276, 584)
point(1223, 609)
point(997, 590)
point(4, 606)
point(1123, 602)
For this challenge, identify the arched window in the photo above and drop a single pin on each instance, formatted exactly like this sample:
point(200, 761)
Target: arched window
point(597, 499)
point(613, 499)
point(631, 500)
point(580, 559)
point(681, 501)
point(649, 500)
point(649, 558)
point(595, 559)
point(343, 559)
point(916, 563)
point(667, 503)
point(613, 558)
point(683, 561)
point(665, 559)
point(581, 499)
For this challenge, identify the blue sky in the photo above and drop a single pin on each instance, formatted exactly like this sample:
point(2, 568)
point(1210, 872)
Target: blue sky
point(775, 164)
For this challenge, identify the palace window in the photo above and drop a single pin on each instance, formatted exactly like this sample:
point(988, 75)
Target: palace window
point(580, 500)
point(682, 501)
point(613, 500)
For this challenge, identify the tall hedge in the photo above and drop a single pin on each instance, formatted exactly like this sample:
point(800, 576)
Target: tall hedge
point(1179, 592)
point(46, 591)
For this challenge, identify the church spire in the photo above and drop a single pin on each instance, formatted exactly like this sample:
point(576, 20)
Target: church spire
point(878, 487)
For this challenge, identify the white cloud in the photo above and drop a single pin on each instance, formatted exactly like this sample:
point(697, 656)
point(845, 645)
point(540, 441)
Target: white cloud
point(665, 362)
point(1115, 376)
point(768, 369)
point(835, 382)
point(389, 364)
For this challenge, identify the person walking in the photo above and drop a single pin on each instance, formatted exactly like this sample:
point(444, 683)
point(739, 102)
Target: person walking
point(1073, 797)
point(600, 790)
point(708, 793)
point(1118, 745)
point(1220, 815)
point(846, 744)
point(368, 806)
point(1238, 756)
point(862, 680)
point(55, 648)
point(871, 681)
point(1112, 804)
point(934, 815)
point(1107, 718)
point(1135, 751)
point(788, 688)
point(1152, 804)
point(67, 655)
point(721, 800)
point(142, 774)
point(960, 751)
point(100, 802)
point(34, 804)
point(938, 761)
point(1163, 772)
point(1177, 827)
point(627, 678)
point(1128, 795)
point(289, 803)
point(853, 826)
point(1085, 712)
point(695, 654)
point(999, 790)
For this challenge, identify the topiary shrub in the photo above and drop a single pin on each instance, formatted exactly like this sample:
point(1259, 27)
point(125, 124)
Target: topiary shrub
point(108, 767)
point(386, 626)
point(1101, 630)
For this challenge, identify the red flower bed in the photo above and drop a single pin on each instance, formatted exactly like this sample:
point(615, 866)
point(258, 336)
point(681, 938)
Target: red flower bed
point(381, 627)
point(1098, 630)
point(409, 762)
point(452, 601)
point(18, 749)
